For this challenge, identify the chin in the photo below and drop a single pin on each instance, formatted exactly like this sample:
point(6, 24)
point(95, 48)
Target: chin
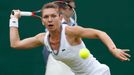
point(51, 30)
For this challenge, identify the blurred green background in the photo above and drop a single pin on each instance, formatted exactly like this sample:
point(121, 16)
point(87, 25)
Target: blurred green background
point(115, 17)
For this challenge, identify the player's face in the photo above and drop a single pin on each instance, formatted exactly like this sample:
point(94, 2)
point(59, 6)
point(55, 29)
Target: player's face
point(51, 18)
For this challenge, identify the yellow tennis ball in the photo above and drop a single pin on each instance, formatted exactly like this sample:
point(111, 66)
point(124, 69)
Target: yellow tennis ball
point(84, 53)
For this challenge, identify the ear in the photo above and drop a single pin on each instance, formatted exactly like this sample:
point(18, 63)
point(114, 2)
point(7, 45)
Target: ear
point(42, 22)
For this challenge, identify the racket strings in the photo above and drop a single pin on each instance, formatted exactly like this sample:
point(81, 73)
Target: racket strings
point(37, 14)
point(75, 16)
point(38, 11)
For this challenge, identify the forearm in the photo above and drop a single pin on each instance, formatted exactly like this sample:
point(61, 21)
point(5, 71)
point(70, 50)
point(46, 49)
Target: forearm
point(14, 36)
point(107, 41)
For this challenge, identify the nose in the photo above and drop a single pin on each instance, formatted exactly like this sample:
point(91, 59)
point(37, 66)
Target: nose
point(50, 19)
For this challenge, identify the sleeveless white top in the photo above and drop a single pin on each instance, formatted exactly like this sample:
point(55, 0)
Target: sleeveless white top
point(70, 55)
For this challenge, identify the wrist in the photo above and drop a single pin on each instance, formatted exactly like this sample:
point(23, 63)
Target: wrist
point(13, 22)
point(112, 49)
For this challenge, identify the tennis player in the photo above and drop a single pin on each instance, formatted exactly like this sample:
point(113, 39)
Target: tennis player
point(64, 42)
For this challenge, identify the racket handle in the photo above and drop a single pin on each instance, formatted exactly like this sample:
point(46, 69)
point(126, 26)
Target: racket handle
point(25, 13)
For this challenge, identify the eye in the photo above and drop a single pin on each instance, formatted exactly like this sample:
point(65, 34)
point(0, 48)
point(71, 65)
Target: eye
point(53, 16)
point(45, 17)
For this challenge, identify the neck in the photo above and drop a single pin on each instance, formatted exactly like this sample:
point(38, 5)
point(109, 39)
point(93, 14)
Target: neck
point(55, 34)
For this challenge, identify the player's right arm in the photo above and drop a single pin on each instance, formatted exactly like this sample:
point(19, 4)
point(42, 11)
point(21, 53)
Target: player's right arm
point(27, 43)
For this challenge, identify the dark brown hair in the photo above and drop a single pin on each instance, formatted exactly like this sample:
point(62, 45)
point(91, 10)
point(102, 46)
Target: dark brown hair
point(50, 5)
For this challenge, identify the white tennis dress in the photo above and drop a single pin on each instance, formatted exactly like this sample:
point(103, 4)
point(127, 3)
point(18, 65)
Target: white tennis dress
point(70, 56)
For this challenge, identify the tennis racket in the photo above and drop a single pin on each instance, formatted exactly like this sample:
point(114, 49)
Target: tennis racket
point(74, 16)
point(29, 13)
point(38, 12)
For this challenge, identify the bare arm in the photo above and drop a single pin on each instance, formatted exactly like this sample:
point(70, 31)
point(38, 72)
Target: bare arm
point(27, 43)
point(81, 32)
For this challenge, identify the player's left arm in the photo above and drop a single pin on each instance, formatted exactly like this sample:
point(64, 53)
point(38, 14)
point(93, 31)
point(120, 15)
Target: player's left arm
point(103, 36)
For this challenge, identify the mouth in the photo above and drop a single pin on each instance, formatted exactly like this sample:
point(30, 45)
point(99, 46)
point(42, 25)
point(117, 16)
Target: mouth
point(50, 25)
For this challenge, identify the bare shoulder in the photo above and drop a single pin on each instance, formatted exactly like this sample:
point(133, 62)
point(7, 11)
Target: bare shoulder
point(73, 30)
point(40, 37)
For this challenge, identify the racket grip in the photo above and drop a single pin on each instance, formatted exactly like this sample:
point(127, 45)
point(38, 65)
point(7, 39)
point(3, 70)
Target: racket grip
point(25, 13)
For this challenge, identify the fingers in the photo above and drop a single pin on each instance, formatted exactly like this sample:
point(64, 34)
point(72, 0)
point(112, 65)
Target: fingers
point(15, 14)
point(124, 55)
point(126, 50)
